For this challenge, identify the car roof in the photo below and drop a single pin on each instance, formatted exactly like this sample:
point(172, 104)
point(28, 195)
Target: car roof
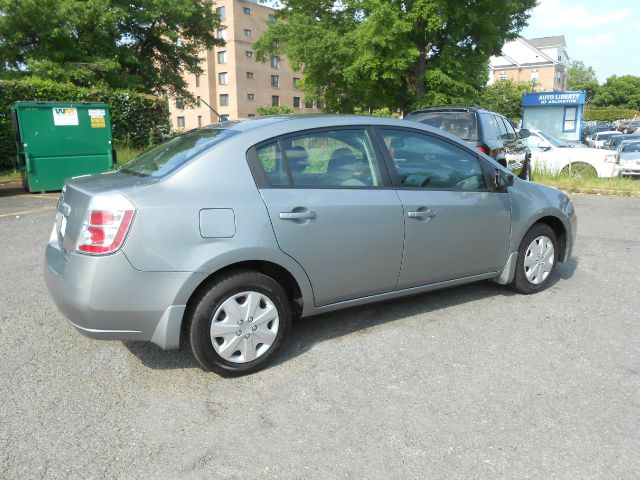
point(450, 109)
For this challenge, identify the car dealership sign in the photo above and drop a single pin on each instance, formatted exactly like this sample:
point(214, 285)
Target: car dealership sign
point(553, 98)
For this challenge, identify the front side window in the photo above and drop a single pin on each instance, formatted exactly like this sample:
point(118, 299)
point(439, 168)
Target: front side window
point(426, 162)
point(335, 158)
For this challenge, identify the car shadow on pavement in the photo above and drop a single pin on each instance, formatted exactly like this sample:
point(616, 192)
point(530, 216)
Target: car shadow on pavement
point(307, 332)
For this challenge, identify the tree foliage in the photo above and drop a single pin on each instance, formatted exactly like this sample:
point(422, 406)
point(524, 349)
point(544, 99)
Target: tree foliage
point(145, 45)
point(398, 54)
point(582, 77)
point(505, 97)
point(622, 92)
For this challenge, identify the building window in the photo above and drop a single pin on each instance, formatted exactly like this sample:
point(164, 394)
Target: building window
point(296, 102)
point(534, 77)
point(246, 10)
point(250, 96)
point(223, 78)
point(248, 54)
point(275, 80)
point(197, 80)
point(224, 100)
point(247, 32)
point(502, 77)
point(249, 74)
point(180, 122)
point(271, 19)
point(296, 82)
point(199, 120)
point(220, 11)
point(308, 103)
point(222, 34)
point(275, 100)
point(180, 103)
point(251, 115)
point(275, 61)
point(570, 119)
point(319, 104)
point(222, 57)
point(198, 101)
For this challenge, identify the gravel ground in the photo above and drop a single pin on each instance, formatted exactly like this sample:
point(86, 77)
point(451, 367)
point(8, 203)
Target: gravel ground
point(471, 382)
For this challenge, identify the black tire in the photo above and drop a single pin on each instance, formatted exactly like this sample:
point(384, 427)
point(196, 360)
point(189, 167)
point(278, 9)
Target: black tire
point(222, 290)
point(521, 282)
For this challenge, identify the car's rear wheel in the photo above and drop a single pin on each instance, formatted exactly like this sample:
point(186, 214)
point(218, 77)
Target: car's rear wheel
point(537, 260)
point(579, 170)
point(239, 323)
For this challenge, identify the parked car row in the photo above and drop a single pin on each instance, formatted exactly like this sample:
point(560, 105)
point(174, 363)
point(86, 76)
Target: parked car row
point(628, 156)
point(629, 127)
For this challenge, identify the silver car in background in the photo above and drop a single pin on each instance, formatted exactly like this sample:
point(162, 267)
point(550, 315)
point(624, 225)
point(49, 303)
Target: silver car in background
point(220, 236)
point(628, 156)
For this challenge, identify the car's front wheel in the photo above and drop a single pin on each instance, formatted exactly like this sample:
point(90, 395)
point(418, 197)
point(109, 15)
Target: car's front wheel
point(537, 259)
point(239, 323)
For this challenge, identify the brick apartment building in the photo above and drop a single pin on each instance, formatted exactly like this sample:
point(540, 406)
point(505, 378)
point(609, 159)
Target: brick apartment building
point(541, 61)
point(234, 83)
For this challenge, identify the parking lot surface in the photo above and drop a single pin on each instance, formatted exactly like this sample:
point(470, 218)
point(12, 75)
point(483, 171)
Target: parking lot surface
point(470, 382)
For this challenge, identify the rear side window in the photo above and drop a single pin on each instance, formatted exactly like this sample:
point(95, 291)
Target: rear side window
point(168, 156)
point(460, 124)
point(422, 161)
point(332, 158)
point(489, 126)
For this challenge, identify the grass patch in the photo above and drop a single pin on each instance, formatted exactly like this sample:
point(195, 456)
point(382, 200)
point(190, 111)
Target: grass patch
point(125, 154)
point(10, 175)
point(607, 186)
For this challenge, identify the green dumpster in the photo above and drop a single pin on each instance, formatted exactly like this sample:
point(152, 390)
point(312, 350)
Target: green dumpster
point(55, 141)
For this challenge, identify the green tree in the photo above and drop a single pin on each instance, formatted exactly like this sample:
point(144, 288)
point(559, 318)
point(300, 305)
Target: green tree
point(266, 110)
point(505, 97)
point(398, 54)
point(622, 92)
point(582, 77)
point(146, 45)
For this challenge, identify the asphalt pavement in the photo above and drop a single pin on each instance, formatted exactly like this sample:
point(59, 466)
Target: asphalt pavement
point(470, 382)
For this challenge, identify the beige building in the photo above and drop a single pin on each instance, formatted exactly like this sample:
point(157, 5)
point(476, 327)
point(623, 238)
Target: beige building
point(234, 83)
point(540, 61)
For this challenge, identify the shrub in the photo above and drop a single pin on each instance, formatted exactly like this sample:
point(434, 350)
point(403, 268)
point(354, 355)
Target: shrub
point(609, 114)
point(267, 110)
point(137, 119)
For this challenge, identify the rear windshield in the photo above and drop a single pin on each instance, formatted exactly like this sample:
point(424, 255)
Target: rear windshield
point(166, 157)
point(631, 147)
point(461, 124)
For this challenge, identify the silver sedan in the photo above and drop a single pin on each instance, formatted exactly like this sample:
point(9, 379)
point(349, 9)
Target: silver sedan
point(220, 236)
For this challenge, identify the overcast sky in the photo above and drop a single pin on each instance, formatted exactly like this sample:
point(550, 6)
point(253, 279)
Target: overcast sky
point(604, 35)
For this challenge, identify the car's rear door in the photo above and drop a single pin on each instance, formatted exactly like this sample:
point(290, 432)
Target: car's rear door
point(333, 210)
point(455, 226)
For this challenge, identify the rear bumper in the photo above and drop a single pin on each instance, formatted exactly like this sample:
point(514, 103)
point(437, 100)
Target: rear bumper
point(106, 298)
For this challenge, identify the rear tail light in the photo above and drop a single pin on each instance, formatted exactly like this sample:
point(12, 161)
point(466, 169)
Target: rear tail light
point(105, 226)
point(483, 150)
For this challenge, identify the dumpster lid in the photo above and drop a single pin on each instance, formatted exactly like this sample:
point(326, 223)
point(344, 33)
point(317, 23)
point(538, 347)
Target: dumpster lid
point(35, 103)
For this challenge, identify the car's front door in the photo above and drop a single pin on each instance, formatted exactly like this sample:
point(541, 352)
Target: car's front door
point(330, 212)
point(455, 226)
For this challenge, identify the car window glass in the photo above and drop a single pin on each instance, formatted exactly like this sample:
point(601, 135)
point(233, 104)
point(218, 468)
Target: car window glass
point(510, 130)
point(271, 160)
point(422, 161)
point(489, 126)
point(461, 124)
point(631, 147)
point(532, 141)
point(502, 130)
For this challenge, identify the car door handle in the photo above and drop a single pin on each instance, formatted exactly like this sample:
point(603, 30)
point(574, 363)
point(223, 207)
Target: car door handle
point(427, 213)
point(297, 215)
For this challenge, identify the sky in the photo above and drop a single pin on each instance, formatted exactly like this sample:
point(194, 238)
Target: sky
point(604, 35)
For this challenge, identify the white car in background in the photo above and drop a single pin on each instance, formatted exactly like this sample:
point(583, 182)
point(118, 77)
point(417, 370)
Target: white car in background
point(597, 139)
point(628, 156)
point(554, 155)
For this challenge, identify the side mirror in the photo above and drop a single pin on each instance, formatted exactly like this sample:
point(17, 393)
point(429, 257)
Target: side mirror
point(524, 133)
point(503, 179)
